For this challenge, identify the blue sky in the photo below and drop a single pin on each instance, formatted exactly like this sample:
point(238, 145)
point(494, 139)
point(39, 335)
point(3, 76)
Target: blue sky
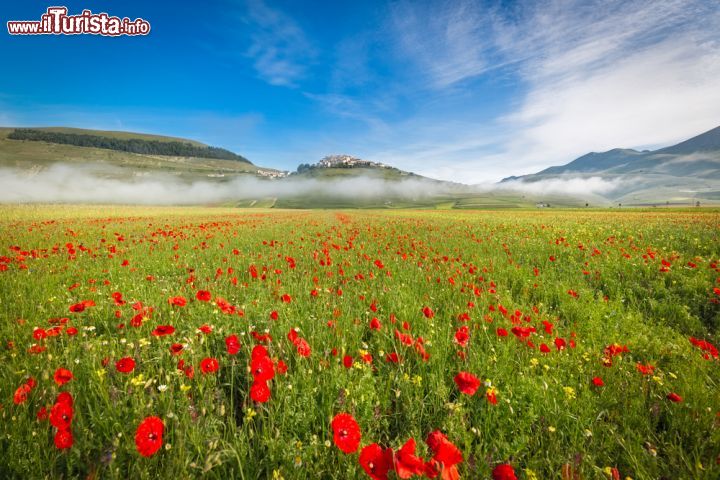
point(464, 91)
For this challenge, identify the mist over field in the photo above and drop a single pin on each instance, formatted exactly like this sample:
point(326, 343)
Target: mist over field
point(63, 183)
point(71, 184)
point(572, 187)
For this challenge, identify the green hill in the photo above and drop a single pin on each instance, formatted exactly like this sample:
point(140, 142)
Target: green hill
point(143, 146)
point(115, 134)
point(37, 149)
point(386, 173)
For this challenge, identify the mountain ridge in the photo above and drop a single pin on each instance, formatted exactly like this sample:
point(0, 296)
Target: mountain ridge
point(618, 158)
point(686, 171)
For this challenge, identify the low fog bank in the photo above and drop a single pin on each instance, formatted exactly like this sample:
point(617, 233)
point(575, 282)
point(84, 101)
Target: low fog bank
point(71, 184)
point(570, 186)
point(63, 183)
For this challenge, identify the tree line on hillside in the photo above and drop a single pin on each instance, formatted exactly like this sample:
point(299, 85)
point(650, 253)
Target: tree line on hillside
point(131, 145)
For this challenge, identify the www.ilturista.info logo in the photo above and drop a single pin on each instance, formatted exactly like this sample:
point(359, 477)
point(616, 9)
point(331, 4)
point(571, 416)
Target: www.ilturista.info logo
point(57, 22)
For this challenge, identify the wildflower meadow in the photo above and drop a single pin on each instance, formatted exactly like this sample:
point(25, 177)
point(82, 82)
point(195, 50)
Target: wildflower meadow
point(140, 342)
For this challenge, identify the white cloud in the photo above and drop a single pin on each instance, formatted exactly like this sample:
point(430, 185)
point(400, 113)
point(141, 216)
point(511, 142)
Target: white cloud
point(638, 77)
point(279, 48)
point(596, 76)
point(444, 40)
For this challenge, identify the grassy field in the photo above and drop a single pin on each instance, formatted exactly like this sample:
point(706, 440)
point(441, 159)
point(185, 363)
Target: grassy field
point(571, 344)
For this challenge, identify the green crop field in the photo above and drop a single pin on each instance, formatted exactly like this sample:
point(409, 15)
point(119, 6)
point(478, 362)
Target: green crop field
point(296, 344)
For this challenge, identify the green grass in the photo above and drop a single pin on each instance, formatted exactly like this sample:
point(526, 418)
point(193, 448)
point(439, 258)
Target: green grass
point(548, 416)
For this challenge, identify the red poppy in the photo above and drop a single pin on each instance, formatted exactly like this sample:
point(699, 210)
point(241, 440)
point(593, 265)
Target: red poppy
point(645, 369)
point(162, 330)
point(560, 343)
point(462, 335)
point(376, 461)
point(615, 349)
point(232, 344)
point(598, 382)
point(375, 324)
point(54, 332)
point(523, 332)
point(77, 308)
point(62, 376)
point(501, 332)
point(347, 361)
point(39, 333)
point(504, 472)
point(125, 365)
point(544, 348)
point(407, 463)
point(64, 397)
point(35, 349)
point(42, 414)
point(21, 394)
point(274, 315)
point(446, 454)
point(61, 415)
point(176, 348)
point(302, 346)
point(63, 439)
point(491, 396)
point(428, 312)
point(611, 351)
point(262, 338)
point(177, 301)
point(704, 345)
point(262, 369)
point(258, 351)
point(209, 365)
point(346, 432)
point(392, 357)
point(206, 329)
point(435, 439)
point(674, 397)
point(203, 295)
point(286, 298)
point(281, 367)
point(260, 392)
point(292, 335)
point(149, 436)
point(467, 383)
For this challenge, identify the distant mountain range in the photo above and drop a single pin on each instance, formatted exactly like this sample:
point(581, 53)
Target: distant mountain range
point(680, 173)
